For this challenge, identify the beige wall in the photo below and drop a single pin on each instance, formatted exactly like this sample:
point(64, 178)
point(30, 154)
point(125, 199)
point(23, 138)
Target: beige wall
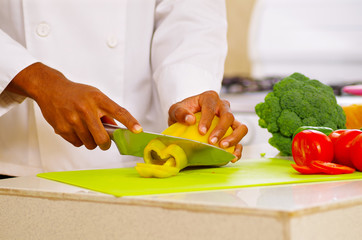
point(238, 13)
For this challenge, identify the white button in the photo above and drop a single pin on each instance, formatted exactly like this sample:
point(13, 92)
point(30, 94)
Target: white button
point(112, 41)
point(43, 29)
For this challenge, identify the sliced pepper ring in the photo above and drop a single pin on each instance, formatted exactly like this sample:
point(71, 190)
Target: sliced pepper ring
point(161, 161)
point(156, 152)
point(159, 171)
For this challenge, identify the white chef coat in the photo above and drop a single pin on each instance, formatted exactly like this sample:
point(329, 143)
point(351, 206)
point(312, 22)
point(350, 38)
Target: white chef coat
point(144, 54)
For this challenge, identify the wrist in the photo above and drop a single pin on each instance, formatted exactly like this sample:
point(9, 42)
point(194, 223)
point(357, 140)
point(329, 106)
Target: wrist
point(32, 81)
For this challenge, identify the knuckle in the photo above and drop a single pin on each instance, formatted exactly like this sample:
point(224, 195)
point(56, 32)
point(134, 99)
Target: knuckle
point(62, 130)
point(121, 111)
point(72, 119)
point(243, 128)
point(172, 110)
point(125, 116)
point(230, 116)
point(226, 102)
point(179, 115)
point(219, 132)
point(80, 109)
point(98, 95)
point(212, 93)
point(246, 129)
point(237, 123)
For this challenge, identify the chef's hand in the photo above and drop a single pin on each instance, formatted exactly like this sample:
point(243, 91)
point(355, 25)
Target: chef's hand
point(210, 104)
point(75, 111)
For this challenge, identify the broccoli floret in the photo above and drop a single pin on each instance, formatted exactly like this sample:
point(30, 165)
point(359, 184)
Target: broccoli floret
point(294, 102)
point(288, 122)
point(269, 112)
point(310, 121)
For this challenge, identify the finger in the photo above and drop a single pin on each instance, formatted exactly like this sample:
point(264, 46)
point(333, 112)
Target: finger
point(208, 109)
point(179, 113)
point(99, 134)
point(77, 122)
point(85, 136)
point(208, 102)
point(239, 132)
point(237, 152)
point(70, 136)
point(226, 120)
point(73, 139)
point(64, 129)
point(122, 115)
point(207, 115)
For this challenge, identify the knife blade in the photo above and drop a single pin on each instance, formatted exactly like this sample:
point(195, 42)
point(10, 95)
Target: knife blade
point(198, 153)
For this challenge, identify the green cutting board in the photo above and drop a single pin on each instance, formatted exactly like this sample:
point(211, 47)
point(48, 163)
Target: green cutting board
point(245, 173)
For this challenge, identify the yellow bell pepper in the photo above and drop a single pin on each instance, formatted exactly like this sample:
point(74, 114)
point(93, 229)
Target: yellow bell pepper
point(159, 171)
point(165, 161)
point(161, 160)
point(192, 132)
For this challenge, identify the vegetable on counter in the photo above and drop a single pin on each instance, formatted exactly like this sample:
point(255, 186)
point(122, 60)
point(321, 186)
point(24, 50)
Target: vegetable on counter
point(309, 145)
point(305, 169)
point(294, 102)
point(320, 167)
point(335, 134)
point(161, 161)
point(353, 116)
point(165, 161)
point(314, 152)
point(356, 152)
point(342, 147)
point(331, 168)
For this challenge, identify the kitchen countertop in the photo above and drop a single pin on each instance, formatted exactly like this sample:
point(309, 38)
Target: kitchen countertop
point(36, 208)
point(42, 209)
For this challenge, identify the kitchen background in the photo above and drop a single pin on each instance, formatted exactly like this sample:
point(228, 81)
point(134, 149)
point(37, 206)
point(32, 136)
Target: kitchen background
point(271, 39)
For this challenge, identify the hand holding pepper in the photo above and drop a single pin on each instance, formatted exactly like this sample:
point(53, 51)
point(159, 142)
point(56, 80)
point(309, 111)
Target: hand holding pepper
point(210, 104)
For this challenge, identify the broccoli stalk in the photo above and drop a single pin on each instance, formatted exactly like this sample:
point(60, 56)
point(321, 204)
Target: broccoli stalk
point(294, 102)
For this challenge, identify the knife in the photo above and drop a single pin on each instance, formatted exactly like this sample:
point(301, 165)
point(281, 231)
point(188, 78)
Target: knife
point(198, 153)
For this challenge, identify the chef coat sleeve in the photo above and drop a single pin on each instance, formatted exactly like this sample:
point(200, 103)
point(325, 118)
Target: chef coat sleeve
point(13, 58)
point(188, 48)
